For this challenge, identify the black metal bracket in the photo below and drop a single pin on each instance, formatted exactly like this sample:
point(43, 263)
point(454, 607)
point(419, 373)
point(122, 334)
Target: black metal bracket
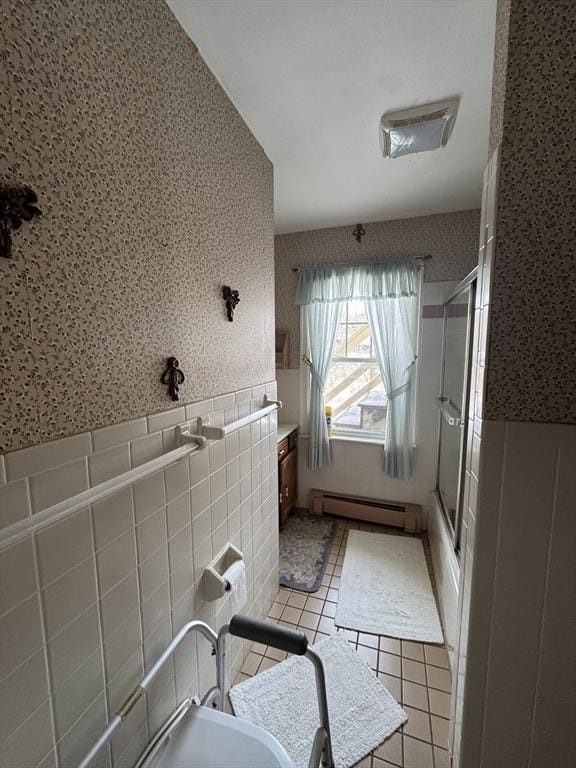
point(17, 204)
point(172, 377)
point(232, 299)
point(358, 232)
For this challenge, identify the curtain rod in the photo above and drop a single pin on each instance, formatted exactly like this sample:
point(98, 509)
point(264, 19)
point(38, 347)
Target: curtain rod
point(344, 264)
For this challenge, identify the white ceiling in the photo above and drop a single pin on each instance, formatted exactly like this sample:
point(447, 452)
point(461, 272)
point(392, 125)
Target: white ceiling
point(311, 78)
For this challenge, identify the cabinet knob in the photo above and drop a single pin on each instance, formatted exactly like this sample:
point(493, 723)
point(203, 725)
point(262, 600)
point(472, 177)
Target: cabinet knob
point(282, 452)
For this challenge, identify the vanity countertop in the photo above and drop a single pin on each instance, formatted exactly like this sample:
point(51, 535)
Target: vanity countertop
point(284, 430)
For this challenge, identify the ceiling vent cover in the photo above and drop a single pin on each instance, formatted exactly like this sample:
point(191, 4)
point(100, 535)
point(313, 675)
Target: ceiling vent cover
point(418, 129)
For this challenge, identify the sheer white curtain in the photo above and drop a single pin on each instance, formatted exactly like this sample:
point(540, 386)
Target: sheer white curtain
point(393, 328)
point(322, 322)
point(390, 289)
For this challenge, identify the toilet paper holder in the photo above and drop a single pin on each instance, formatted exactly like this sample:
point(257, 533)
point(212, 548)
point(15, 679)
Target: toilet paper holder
point(215, 584)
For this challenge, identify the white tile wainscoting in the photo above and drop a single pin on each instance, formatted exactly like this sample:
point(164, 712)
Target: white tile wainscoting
point(518, 578)
point(89, 602)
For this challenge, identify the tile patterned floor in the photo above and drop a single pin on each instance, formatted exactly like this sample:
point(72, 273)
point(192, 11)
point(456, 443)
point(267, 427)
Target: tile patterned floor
point(416, 674)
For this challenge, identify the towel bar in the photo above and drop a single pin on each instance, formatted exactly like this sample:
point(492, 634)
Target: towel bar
point(188, 442)
point(218, 433)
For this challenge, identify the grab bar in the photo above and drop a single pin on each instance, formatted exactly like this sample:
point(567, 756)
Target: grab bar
point(451, 414)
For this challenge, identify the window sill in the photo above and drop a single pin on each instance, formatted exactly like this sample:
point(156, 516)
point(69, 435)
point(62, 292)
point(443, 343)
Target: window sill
point(349, 439)
point(368, 440)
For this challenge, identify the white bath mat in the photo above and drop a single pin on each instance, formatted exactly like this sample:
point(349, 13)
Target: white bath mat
point(282, 700)
point(385, 588)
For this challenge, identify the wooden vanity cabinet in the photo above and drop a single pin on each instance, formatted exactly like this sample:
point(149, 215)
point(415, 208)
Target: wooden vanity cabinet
point(287, 475)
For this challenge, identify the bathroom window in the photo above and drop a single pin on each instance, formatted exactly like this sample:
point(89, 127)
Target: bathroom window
point(354, 388)
point(360, 341)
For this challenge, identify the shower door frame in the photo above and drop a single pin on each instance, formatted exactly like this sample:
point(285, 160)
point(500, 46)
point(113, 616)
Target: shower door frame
point(470, 281)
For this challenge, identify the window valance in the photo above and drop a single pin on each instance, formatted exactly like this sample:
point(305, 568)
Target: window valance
point(393, 278)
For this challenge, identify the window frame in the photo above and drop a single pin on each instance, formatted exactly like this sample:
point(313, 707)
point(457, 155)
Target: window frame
point(356, 435)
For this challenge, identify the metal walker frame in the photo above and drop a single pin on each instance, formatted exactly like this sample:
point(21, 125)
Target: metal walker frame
point(291, 641)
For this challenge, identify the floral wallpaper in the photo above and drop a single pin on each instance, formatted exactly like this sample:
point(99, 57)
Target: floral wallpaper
point(499, 74)
point(450, 238)
point(154, 194)
point(531, 366)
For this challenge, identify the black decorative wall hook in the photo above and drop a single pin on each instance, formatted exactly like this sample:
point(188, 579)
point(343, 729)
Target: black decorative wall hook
point(16, 205)
point(359, 232)
point(172, 377)
point(232, 298)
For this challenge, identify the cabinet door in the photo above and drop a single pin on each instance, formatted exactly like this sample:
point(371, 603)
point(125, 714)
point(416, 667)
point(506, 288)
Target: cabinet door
point(288, 484)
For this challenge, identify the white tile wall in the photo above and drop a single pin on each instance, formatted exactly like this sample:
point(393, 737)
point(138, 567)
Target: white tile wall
point(32, 461)
point(118, 434)
point(520, 671)
point(60, 547)
point(110, 463)
point(17, 575)
point(89, 603)
point(70, 595)
point(14, 502)
point(54, 485)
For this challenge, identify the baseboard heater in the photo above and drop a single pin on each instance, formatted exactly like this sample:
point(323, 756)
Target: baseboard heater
point(396, 513)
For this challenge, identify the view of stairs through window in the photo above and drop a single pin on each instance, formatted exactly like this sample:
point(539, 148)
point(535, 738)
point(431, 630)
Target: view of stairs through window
point(354, 388)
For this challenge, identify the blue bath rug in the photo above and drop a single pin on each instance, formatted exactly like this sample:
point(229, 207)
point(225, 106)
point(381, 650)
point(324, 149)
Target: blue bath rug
point(304, 546)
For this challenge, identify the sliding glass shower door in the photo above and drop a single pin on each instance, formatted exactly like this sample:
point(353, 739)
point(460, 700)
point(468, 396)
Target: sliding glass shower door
point(453, 401)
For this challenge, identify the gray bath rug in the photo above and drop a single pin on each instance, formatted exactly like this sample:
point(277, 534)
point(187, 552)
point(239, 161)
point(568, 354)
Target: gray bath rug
point(385, 588)
point(282, 700)
point(304, 547)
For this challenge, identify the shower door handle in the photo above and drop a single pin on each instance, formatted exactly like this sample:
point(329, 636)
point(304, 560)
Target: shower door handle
point(451, 414)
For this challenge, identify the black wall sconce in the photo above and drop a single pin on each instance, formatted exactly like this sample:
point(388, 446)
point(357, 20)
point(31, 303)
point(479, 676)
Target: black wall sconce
point(16, 205)
point(232, 299)
point(358, 232)
point(172, 378)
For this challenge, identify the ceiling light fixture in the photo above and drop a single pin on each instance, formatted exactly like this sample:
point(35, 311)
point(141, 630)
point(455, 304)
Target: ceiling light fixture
point(417, 129)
